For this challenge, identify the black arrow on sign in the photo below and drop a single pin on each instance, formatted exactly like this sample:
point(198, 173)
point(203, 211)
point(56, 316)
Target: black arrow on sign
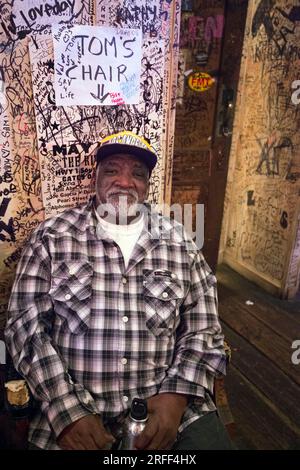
point(101, 97)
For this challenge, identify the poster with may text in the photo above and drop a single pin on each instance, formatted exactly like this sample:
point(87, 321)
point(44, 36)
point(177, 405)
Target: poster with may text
point(97, 65)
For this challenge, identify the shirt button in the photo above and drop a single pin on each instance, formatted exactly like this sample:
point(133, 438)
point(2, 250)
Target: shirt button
point(67, 296)
point(125, 319)
point(86, 400)
point(173, 276)
point(72, 271)
point(165, 295)
point(124, 360)
point(69, 378)
point(125, 398)
point(124, 280)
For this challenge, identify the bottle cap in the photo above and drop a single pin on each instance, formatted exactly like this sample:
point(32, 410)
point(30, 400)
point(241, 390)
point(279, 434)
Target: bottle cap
point(139, 410)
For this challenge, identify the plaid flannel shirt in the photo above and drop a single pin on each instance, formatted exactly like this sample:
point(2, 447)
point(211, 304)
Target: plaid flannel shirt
point(89, 335)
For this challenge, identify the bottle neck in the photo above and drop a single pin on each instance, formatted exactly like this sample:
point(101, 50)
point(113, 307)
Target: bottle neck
point(138, 420)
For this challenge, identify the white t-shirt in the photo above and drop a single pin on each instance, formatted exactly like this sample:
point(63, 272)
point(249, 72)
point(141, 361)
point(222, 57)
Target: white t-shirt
point(125, 236)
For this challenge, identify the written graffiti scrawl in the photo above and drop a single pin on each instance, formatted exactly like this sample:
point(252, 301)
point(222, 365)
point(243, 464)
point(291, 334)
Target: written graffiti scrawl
point(32, 13)
point(22, 17)
point(18, 185)
point(140, 14)
point(97, 65)
point(67, 175)
point(262, 16)
point(265, 250)
point(197, 31)
point(275, 157)
point(279, 26)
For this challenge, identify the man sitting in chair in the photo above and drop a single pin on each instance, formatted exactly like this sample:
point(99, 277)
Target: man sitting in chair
point(114, 301)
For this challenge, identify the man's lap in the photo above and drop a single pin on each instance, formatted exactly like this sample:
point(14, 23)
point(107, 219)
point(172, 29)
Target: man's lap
point(206, 433)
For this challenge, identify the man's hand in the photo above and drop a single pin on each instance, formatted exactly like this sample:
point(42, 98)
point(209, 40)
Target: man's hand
point(87, 433)
point(165, 413)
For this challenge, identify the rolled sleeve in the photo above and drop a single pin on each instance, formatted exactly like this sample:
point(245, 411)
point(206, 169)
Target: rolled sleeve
point(69, 408)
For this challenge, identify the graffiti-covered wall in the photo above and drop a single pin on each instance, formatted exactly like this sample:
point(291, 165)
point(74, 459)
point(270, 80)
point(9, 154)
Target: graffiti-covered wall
point(47, 148)
point(262, 200)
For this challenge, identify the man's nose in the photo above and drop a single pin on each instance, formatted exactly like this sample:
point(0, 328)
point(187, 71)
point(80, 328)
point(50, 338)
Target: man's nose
point(125, 180)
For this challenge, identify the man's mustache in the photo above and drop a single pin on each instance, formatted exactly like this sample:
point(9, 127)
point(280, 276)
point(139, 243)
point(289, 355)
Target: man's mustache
point(122, 193)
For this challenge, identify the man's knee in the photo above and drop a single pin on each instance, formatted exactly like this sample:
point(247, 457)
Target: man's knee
point(206, 433)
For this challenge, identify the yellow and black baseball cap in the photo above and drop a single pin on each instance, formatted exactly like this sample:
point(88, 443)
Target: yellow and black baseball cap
point(128, 143)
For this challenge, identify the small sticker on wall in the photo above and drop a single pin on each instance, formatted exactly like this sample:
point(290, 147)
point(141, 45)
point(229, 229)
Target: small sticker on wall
point(200, 81)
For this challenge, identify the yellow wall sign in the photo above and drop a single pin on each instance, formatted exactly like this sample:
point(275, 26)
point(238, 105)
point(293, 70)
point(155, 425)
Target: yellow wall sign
point(200, 81)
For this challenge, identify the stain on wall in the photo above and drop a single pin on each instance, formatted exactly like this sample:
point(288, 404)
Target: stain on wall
point(262, 197)
point(47, 151)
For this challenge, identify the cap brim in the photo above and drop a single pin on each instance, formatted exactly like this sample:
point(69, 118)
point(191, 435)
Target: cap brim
point(148, 158)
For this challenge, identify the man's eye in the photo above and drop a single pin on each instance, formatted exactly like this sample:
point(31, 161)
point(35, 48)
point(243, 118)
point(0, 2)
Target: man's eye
point(109, 171)
point(140, 174)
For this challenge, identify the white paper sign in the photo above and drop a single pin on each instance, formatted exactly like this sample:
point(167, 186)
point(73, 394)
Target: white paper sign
point(97, 65)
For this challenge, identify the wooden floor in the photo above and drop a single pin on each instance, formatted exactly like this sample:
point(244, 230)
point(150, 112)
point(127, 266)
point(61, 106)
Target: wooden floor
point(262, 384)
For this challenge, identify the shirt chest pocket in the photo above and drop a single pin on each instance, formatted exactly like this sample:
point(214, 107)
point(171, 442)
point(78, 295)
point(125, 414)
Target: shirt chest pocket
point(162, 297)
point(71, 291)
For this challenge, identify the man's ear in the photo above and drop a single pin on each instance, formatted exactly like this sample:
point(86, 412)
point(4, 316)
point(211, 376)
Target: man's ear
point(97, 169)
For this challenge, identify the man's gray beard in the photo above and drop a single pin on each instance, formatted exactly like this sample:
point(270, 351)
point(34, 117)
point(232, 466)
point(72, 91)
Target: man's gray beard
point(119, 210)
